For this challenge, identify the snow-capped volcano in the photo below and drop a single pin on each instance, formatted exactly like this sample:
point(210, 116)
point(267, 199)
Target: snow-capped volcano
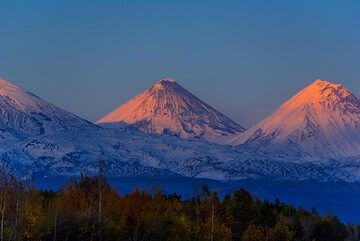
point(168, 107)
point(22, 113)
point(321, 120)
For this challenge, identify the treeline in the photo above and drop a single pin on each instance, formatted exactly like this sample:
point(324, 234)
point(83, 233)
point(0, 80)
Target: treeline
point(90, 210)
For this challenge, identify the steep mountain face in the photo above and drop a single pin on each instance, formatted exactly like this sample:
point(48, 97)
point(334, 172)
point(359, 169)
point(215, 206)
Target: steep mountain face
point(321, 120)
point(169, 108)
point(22, 114)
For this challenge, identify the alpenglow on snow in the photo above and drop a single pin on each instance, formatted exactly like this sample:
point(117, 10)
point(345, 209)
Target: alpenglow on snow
point(167, 107)
point(321, 120)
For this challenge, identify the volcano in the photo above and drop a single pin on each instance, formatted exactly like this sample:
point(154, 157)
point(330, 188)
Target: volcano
point(321, 120)
point(167, 107)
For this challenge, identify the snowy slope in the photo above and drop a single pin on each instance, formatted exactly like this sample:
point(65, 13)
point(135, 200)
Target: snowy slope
point(40, 138)
point(321, 120)
point(169, 108)
point(22, 114)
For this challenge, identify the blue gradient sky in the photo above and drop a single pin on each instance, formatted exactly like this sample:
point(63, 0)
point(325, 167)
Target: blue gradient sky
point(242, 57)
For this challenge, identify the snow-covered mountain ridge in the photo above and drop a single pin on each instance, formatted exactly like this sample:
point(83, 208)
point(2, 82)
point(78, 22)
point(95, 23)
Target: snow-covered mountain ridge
point(167, 107)
point(42, 139)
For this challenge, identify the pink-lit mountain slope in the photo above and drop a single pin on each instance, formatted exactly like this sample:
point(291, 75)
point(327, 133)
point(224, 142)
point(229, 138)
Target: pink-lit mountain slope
point(167, 107)
point(321, 120)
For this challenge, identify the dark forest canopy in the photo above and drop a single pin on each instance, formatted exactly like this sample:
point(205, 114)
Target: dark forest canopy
point(89, 209)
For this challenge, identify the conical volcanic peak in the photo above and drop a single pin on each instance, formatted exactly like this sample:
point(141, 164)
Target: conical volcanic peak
point(23, 113)
point(168, 107)
point(167, 80)
point(323, 89)
point(167, 84)
point(321, 120)
point(325, 95)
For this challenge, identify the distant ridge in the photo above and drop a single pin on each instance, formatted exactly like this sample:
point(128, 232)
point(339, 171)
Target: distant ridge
point(167, 107)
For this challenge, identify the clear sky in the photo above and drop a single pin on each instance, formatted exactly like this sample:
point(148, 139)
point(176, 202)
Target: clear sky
point(242, 57)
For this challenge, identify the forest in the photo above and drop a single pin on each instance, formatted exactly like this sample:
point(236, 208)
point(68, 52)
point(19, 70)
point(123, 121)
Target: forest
point(90, 209)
